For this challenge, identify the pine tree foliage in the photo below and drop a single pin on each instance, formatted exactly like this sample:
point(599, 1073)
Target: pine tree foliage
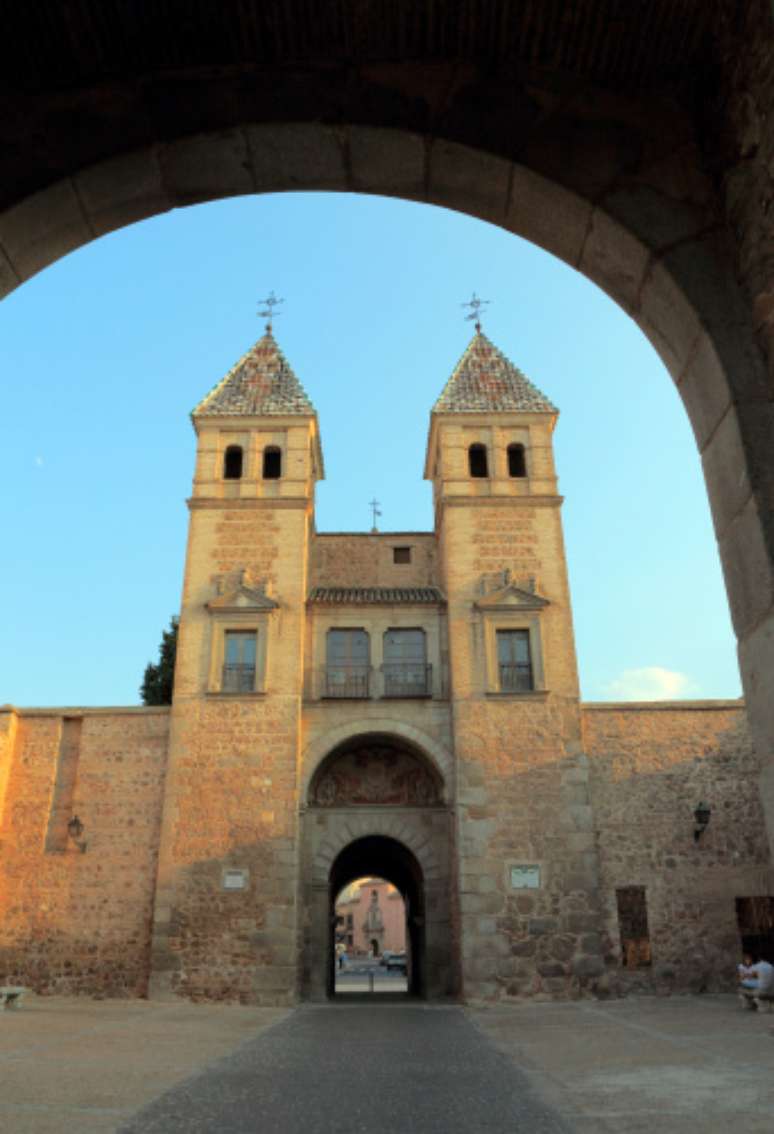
point(158, 680)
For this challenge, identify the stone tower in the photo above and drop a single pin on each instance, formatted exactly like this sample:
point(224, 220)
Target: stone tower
point(527, 861)
point(225, 917)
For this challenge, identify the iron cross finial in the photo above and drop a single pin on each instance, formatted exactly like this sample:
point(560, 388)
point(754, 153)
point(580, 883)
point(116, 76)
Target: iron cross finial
point(475, 304)
point(266, 309)
point(375, 513)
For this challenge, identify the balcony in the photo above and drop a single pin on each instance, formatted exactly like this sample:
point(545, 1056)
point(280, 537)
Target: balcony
point(516, 677)
point(407, 679)
point(238, 678)
point(347, 682)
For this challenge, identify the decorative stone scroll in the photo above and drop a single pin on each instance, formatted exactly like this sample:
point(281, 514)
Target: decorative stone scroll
point(375, 775)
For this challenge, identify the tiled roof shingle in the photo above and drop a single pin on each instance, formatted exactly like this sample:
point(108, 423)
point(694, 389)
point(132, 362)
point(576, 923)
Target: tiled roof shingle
point(261, 383)
point(373, 595)
point(485, 380)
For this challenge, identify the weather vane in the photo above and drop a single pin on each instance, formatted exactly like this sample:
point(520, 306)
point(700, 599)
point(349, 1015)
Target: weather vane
point(266, 309)
point(475, 304)
point(376, 512)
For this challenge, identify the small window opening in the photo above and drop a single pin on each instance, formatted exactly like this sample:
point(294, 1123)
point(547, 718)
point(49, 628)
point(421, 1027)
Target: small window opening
point(633, 924)
point(517, 463)
point(401, 554)
point(514, 661)
point(477, 461)
point(272, 463)
point(239, 661)
point(232, 463)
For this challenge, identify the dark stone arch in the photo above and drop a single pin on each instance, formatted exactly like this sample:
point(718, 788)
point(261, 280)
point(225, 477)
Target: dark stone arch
point(383, 857)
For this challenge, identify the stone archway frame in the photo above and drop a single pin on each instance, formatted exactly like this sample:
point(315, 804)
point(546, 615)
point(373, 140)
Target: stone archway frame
point(360, 826)
point(438, 756)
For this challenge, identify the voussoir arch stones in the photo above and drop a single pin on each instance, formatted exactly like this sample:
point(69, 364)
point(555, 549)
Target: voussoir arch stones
point(355, 827)
point(438, 756)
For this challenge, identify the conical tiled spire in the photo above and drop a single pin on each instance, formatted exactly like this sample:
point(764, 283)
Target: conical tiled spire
point(485, 381)
point(262, 383)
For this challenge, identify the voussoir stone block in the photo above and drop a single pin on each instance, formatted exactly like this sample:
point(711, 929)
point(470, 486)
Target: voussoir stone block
point(207, 166)
point(748, 569)
point(549, 215)
point(122, 191)
point(42, 228)
point(390, 162)
point(468, 180)
point(615, 259)
point(704, 389)
point(297, 156)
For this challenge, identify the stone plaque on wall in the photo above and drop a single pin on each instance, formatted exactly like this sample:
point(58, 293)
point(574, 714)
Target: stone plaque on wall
point(525, 876)
point(235, 879)
point(376, 775)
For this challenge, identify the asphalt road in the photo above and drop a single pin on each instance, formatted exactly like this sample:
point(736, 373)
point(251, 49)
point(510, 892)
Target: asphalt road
point(357, 1069)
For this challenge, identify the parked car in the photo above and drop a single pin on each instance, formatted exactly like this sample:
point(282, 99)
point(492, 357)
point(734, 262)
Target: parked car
point(396, 962)
point(386, 956)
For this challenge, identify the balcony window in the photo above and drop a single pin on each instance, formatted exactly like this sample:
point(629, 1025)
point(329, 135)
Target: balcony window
point(514, 660)
point(239, 661)
point(347, 667)
point(405, 668)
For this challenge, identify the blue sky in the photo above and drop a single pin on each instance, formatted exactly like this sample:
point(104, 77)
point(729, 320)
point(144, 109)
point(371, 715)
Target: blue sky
point(103, 356)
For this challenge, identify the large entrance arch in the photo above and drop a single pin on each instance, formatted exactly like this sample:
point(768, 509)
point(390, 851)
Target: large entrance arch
point(376, 806)
point(386, 858)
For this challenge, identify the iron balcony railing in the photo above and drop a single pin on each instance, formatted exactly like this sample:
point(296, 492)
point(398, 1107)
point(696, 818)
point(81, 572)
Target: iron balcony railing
point(347, 681)
point(238, 678)
point(516, 677)
point(407, 679)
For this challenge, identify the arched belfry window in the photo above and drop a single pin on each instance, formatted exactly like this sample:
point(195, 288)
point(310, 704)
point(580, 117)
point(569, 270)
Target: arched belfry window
point(517, 461)
point(272, 463)
point(477, 461)
point(232, 463)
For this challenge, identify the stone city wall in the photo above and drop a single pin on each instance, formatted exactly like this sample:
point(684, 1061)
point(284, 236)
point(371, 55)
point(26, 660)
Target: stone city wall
point(650, 765)
point(72, 920)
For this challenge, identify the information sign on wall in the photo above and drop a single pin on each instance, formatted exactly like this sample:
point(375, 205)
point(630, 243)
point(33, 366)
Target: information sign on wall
point(525, 876)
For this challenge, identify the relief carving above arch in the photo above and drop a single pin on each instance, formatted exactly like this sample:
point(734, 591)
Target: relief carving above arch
point(375, 775)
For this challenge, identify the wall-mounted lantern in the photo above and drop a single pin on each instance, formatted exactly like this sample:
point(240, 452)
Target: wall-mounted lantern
point(701, 816)
point(75, 831)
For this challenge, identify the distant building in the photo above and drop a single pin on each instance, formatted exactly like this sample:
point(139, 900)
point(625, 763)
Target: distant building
point(371, 917)
point(401, 705)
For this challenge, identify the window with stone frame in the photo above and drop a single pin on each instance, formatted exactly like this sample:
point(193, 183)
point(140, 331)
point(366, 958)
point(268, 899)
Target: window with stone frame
point(239, 661)
point(633, 927)
point(405, 669)
point(347, 663)
point(514, 661)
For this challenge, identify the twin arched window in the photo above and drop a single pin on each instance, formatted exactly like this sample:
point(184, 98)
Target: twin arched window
point(233, 462)
point(478, 463)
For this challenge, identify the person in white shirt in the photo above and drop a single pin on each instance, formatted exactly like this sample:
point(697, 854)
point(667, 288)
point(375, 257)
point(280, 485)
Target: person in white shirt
point(755, 979)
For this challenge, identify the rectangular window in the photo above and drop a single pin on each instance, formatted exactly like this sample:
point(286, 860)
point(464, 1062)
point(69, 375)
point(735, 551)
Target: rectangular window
point(347, 664)
point(633, 924)
point(406, 672)
point(239, 655)
point(401, 554)
point(514, 661)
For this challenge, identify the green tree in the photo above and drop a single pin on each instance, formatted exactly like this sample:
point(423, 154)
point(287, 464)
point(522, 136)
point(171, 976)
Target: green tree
point(158, 680)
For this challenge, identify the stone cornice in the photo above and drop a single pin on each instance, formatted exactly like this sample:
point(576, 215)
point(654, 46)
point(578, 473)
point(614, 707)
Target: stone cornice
point(502, 501)
point(196, 503)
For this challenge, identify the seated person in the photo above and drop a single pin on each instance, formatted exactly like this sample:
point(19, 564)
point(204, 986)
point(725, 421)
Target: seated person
point(756, 977)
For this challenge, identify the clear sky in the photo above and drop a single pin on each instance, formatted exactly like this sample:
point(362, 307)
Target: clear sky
point(103, 356)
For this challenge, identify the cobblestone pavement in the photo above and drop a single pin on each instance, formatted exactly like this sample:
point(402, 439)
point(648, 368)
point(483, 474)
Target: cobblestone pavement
point(347, 1069)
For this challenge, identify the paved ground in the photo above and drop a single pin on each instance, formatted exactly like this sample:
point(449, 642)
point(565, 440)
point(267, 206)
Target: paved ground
point(677, 1066)
point(661, 1066)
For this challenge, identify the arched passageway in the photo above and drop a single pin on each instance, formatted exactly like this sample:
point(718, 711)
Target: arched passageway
point(376, 806)
point(386, 858)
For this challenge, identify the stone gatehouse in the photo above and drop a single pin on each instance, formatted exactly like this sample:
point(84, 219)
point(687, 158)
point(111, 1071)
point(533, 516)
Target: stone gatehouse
point(403, 705)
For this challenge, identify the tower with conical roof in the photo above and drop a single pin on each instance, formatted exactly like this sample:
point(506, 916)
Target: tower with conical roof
point(230, 808)
point(523, 817)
